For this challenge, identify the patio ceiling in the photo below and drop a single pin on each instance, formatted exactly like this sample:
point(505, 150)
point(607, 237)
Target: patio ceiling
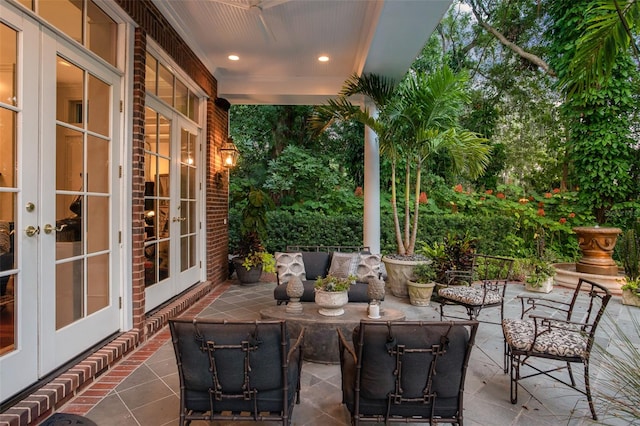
point(278, 43)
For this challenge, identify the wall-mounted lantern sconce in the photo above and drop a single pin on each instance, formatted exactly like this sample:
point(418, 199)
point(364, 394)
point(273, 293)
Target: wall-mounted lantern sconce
point(229, 153)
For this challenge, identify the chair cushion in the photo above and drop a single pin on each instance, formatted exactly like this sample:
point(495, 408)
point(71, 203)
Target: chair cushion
point(343, 264)
point(316, 264)
point(469, 295)
point(290, 265)
point(368, 267)
point(519, 334)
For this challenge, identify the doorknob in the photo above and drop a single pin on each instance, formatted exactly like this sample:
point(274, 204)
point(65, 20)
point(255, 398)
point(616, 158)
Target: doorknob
point(31, 230)
point(48, 228)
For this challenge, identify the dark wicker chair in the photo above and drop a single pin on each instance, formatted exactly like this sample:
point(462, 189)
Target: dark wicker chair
point(484, 286)
point(236, 370)
point(556, 330)
point(406, 371)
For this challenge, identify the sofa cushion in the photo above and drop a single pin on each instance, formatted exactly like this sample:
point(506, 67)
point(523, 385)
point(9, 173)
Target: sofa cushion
point(343, 264)
point(289, 265)
point(368, 267)
point(316, 263)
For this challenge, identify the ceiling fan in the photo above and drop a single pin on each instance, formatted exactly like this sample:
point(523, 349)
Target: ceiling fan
point(256, 7)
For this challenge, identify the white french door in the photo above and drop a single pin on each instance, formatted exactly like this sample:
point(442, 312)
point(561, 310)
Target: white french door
point(172, 193)
point(64, 196)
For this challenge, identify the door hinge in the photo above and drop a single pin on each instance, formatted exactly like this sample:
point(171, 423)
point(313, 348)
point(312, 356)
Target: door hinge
point(121, 106)
point(201, 264)
point(120, 302)
point(120, 171)
point(119, 237)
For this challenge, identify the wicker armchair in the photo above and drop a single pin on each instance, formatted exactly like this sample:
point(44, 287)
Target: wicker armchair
point(554, 330)
point(243, 370)
point(406, 371)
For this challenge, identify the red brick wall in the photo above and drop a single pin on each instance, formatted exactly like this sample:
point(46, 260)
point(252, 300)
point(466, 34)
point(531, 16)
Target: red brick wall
point(152, 24)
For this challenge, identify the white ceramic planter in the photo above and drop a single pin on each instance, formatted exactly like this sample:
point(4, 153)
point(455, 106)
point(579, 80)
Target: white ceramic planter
point(545, 287)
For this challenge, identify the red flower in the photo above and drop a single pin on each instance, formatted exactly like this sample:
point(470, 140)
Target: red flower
point(540, 204)
point(500, 195)
point(458, 188)
point(540, 212)
point(562, 220)
point(556, 190)
point(548, 195)
point(572, 215)
point(423, 198)
point(531, 198)
point(359, 192)
point(482, 198)
point(489, 191)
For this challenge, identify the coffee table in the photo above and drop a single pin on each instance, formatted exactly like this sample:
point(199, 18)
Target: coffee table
point(320, 336)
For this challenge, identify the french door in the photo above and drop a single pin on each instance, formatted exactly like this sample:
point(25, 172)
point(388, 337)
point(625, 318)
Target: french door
point(59, 147)
point(172, 190)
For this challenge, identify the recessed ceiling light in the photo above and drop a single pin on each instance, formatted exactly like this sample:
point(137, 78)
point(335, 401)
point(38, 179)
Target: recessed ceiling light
point(323, 58)
point(234, 57)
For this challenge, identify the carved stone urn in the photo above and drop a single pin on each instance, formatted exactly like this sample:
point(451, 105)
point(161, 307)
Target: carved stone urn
point(597, 246)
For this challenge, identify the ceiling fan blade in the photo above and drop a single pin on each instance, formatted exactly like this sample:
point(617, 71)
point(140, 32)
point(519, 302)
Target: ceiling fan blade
point(233, 4)
point(265, 28)
point(266, 4)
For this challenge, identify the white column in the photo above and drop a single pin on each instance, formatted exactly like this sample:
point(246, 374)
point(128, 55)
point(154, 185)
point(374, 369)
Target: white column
point(371, 216)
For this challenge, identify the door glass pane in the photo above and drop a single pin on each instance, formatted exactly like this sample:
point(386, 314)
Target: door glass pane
point(27, 3)
point(99, 98)
point(69, 289)
point(165, 84)
point(184, 181)
point(98, 164)
point(164, 138)
point(98, 219)
point(66, 15)
point(191, 217)
point(97, 283)
point(8, 60)
point(184, 254)
point(7, 149)
point(69, 92)
point(8, 277)
point(69, 161)
point(101, 33)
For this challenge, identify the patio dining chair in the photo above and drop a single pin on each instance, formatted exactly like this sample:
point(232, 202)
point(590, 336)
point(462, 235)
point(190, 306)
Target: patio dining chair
point(236, 370)
point(406, 371)
point(484, 286)
point(554, 330)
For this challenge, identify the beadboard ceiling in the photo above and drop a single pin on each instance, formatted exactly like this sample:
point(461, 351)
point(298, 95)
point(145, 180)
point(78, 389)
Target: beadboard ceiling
point(279, 42)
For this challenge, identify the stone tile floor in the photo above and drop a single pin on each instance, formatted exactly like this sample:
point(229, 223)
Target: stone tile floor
point(147, 393)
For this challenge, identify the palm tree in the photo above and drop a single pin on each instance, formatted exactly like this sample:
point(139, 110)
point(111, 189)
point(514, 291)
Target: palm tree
point(417, 119)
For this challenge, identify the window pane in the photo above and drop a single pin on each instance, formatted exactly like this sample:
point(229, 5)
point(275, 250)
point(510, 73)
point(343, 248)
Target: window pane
point(101, 33)
point(97, 223)
point(69, 92)
point(98, 164)
point(66, 15)
point(182, 94)
point(165, 84)
point(184, 181)
point(68, 223)
point(8, 60)
point(27, 3)
point(97, 283)
point(99, 98)
point(150, 78)
point(151, 130)
point(164, 138)
point(7, 149)
point(194, 105)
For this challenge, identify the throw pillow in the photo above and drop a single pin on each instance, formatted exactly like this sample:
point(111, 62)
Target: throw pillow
point(368, 267)
point(289, 265)
point(343, 264)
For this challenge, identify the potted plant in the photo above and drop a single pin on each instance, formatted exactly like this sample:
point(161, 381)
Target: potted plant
point(539, 276)
point(455, 253)
point(629, 248)
point(420, 288)
point(416, 120)
point(332, 294)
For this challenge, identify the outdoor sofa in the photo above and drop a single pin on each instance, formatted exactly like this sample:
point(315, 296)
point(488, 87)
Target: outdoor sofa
point(311, 262)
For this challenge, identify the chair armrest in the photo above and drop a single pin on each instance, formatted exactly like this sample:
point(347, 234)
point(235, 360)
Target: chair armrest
point(534, 302)
point(454, 275)
point(343, 344)
point(550, 322)
point(296, 345)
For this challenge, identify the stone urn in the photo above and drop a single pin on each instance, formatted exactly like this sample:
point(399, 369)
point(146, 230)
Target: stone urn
point(597, 246)
point(420, 293)
point(331, 303)
point(398, 273)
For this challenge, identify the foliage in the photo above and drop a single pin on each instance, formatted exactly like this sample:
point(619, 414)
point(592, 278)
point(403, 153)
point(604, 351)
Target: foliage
point(334, 284)
point(424, 273)
point(252, 253)
point(263, 258)
point(454, 253)
point(629, 248)
point(538, 271)
point(632, 284)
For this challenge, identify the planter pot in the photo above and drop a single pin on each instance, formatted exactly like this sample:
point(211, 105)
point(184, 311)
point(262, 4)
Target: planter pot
point(420, 293)
point(331, 303)
point(247, 276)
point(631, 298)
point(545, 287)
point(398, 273)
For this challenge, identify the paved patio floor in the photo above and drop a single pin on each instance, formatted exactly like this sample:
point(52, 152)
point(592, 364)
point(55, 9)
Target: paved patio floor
point(149, 393)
